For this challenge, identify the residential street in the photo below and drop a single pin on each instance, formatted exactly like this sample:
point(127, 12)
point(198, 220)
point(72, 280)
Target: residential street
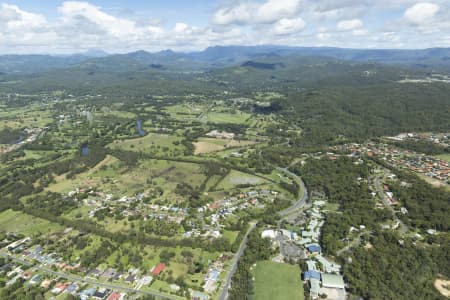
point(226, 286)
point(403, 227)
point(87, 280)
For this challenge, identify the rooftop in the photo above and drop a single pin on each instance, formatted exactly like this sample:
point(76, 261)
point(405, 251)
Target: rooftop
point(333, 281)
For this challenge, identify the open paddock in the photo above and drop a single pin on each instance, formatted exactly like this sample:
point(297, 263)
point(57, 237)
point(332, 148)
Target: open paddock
point(236, 178)
point(18, 222)
point(152, 142)
point(208, 145)
point(112, 176)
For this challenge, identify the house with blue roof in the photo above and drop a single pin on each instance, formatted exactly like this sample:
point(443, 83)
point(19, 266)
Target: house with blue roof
point(314, 248)
point(311, 274)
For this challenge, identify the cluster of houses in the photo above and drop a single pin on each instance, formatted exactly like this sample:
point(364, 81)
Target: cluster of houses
point(30, 254)
point(129, 206)
point(419, 163)
point(219, 210)
point(213, 275)
point(324, 280)
point(427, 165)
point(220, 134)
point(442, 139)
point(32, 135)
point(389, 196)
point(214, 212)
point(35, 275)
point(16, 272)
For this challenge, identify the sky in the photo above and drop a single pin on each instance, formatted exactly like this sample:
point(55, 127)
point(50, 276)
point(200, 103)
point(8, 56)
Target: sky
point(64, 27)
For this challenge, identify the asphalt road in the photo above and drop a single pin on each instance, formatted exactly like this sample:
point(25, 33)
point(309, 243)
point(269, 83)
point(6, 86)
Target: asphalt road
point(76, 278)
point(301, 202)
point(226, 286)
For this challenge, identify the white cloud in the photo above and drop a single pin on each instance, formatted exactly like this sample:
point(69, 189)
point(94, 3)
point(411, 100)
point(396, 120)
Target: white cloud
point(288, 26)
point(347, 25)
point(274, 10)
point(13, 18)
point(180, 27)
point(80, 25)
point(339, 10)
point(421, 13)
point(22, 29)
point(78, 14)
point(267, 12)
point(239, 14)
point(360, 32)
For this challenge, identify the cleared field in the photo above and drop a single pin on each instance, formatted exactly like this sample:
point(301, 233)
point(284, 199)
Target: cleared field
point(27, 116)
point(445, 157)
point(185, 112)
point(277, 281)
point(112, 176)
point(208, 145)
point(266, 96)
point(230, 235)
point(150, 142)
point(434, 182)
point(226, 117)
point(237, 178)
point(18, 222)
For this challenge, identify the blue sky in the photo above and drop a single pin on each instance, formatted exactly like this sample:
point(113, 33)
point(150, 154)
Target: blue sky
point(169, 10)
point(50, 26)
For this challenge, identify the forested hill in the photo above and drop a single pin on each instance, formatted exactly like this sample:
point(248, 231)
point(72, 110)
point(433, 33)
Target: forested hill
point(222, 56)
point(355, 113)
point(332, 100)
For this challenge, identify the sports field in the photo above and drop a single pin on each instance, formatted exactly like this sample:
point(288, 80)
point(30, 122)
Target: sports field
point(277, 281)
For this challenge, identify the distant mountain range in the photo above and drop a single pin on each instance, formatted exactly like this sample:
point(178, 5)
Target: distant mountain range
point(219, 57)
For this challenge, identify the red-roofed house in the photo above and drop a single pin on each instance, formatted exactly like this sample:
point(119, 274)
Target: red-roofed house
point(114, 296)
point(158, 269)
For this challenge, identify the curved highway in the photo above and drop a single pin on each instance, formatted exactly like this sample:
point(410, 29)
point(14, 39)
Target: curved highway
point(301, 202)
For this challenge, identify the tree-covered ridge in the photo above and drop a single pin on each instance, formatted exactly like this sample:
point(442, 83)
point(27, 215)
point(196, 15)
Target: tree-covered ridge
point(330, 115)
point(330, 99)
point(395, 270)
point(338, 180)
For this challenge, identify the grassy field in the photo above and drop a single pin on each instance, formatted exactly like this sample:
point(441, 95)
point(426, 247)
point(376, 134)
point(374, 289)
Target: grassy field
point(28, 116)
point(208, 145)
point(236, 178)
point(152, 142)
point(111, 176)
point(185, 112)
point(226, 117)
point(207, 113)
point(434, 182)
point(445, 157)
point(276, 281)
point(230, 235)
point(18, 222)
